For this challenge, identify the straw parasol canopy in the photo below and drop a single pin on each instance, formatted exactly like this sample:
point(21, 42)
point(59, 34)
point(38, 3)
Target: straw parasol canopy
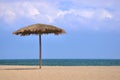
point(39, 29)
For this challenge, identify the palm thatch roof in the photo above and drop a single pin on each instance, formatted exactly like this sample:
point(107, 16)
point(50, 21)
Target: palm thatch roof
point(39, 29)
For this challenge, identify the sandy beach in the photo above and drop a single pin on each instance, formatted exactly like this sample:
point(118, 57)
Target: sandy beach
point(60, 73)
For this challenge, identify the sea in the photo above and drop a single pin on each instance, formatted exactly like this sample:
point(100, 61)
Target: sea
point(62, 62)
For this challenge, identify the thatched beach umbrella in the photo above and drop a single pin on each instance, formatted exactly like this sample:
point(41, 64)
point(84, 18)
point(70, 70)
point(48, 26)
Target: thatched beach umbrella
point(39, 29)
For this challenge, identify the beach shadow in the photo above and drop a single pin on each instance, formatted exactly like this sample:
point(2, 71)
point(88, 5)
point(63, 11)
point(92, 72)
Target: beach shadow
point(19, 69)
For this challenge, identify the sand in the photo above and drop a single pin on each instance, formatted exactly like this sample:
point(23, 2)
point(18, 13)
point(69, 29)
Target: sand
point(60, 73)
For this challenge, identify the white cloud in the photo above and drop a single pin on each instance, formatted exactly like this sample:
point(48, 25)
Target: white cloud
point(9, 16)
point(30, 10)
point(81, 12)
point(64, 13)
point(106, 14)
point(87, 14)
point(35, 10)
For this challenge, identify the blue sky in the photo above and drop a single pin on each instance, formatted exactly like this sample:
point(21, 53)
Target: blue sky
point(92, 26)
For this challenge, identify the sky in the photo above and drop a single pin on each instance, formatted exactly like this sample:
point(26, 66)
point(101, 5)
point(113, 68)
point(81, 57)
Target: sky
point(92, 29)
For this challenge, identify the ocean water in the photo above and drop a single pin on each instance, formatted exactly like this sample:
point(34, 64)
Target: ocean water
point(62, 62)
